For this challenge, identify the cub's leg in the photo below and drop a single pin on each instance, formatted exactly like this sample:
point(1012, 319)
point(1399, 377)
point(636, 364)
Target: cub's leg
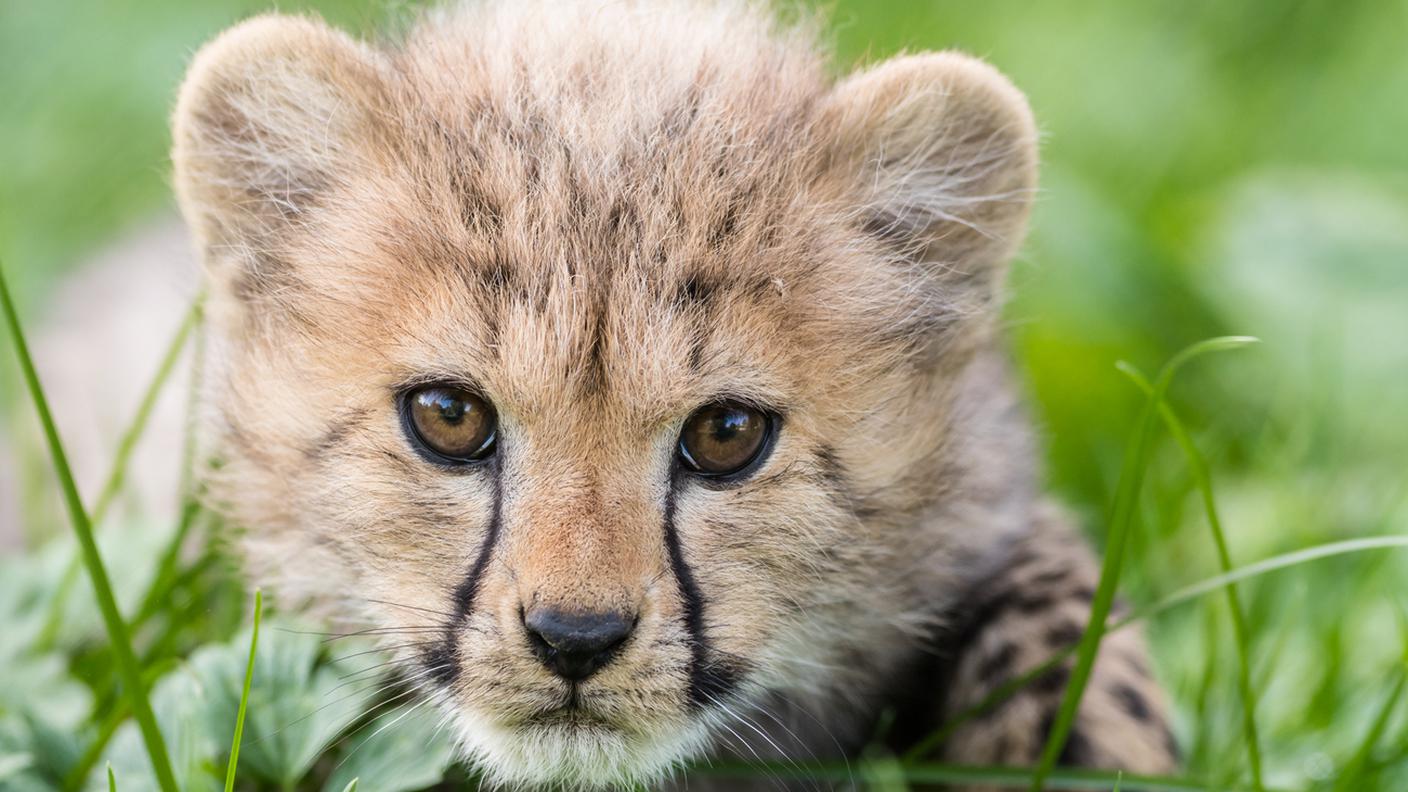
point(1037, 604)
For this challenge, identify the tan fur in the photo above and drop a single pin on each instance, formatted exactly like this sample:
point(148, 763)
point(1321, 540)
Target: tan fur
point(603, 215)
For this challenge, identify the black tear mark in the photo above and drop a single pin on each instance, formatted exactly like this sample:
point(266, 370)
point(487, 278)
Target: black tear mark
point(708, 680)
point(442, 661)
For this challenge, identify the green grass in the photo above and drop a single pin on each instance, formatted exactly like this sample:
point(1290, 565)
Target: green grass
point(118, 636)
point(1121, 524)
point(233, 764)
point(1203, 480)
point(1208, 169)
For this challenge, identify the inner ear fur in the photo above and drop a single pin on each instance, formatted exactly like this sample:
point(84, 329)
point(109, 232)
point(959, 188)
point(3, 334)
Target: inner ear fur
point(941, 150)
point(272, 115)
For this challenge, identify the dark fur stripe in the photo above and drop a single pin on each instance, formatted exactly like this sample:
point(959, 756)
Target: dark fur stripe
point(707, 681)
point(444, 658)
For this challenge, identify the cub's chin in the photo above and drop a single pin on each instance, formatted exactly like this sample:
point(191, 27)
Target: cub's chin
point(573, 751)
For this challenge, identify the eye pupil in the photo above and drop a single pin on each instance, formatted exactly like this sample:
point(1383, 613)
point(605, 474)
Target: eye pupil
point(452, 424)
point(723, 439)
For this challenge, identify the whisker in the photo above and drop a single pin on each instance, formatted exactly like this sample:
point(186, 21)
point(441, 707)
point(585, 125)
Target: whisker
point(332, 703)
point(390, 648)
point(413, 630)
point(412, 688)
point(328, 637)
point(409, 710)
point(783, 755)
point(411, 607)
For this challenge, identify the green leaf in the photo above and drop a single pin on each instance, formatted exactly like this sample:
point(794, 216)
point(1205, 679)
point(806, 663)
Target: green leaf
point(401, 750)
point(297, 705)
point(351, 786)
point(12, 764)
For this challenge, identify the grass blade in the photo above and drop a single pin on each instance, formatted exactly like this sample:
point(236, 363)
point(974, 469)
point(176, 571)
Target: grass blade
point(1122, 518)
point(112, 782)
point(1202, 478)
point(128, 669)
point(244, 695)
point(117, 475)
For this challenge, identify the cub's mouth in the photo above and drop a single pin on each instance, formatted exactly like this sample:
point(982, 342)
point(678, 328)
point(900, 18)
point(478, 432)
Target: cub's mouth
point(577, 699)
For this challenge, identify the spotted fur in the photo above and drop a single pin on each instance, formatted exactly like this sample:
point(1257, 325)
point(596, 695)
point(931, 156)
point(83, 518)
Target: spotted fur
point(602, 215)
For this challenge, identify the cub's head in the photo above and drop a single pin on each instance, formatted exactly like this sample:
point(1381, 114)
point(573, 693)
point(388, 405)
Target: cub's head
point(603, 356)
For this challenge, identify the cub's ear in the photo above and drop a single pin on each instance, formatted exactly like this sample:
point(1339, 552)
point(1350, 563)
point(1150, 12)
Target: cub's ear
point(273, 114)
point(940, 150)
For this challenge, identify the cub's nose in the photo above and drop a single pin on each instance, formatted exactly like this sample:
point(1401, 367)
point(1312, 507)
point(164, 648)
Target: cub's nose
point(576, 645)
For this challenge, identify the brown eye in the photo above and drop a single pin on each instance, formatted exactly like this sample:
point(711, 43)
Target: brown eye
point(454, 425)
point(724, 439)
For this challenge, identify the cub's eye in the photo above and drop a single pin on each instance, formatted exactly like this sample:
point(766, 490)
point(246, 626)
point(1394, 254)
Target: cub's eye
point(452, 424)
point(724, 439)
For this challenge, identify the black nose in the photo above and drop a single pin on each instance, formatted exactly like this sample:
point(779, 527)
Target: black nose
point(575, 645)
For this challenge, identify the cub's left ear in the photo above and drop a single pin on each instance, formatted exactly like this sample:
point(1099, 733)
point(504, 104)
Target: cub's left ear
point(940, 151)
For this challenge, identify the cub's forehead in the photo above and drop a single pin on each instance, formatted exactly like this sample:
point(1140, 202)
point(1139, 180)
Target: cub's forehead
point(658, 269)
point(578, 289)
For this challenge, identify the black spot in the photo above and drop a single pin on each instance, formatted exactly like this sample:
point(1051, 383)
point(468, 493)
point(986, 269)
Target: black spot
point(1034, 602)
point(1077, 751)
point(1063, 635)
point(696, 290)
point(1053, 681)
point(497, 277)
point(1049, 576)
point(1133, 702)
point(1044, 727)
point(725, 226)
point(997, 664)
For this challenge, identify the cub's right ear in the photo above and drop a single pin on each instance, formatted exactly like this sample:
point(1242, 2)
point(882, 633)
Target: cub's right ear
point(273, 115)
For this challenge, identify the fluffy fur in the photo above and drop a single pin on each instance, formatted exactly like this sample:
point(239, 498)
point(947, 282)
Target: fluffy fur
point(603, 215)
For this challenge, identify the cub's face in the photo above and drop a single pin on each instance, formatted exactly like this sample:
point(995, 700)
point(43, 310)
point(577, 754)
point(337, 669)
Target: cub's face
point(614, 409)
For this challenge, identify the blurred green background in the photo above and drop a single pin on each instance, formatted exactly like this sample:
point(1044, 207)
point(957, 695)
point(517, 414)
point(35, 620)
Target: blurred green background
point(1209, 167)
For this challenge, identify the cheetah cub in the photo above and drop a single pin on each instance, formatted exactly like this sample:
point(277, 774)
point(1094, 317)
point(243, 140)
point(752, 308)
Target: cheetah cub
point(640, 381)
